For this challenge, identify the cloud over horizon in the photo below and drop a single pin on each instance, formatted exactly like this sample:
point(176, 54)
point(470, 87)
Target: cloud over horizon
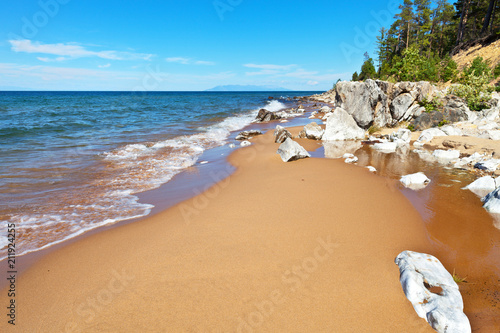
point(66, 51)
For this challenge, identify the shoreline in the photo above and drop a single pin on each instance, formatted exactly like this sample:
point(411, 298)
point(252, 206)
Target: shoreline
point(199, 240)
point(308, 144)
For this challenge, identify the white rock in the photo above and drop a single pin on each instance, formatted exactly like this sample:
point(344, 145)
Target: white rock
point(415, 181)
point(312, 131)
point(325, 109)
point(385, 147)
point(493, 134)
point(348, 155)
point(428, 134)
point(491, 202)
point(232, 145)
point(353, 159)
point(371, 169)
point(482, 186)
point(446, 156)
point(489, 165)
point(342, 126)
point(424, 155)
point(488, 126)
point(291, 151)
point(443, 310)
point(451, 130)
point(281, 134)
point(401, 134)
point(245, 143)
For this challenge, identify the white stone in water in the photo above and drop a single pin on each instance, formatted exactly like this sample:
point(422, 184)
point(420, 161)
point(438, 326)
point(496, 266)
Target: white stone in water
point(232, 145)
point(482, 186)
point(371, 169)
point(291, 151)
point(446, 156)
point(326, 109)
point(415, 181)
point(443, 309)
point(245, 143)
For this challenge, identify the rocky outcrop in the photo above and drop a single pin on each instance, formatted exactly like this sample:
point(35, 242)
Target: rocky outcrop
point(245, 135)
point(383, 103)
point(281, 134)
point(312, 131)
point(455, 109)
point(432, 292)
point(291, 151)
point(341, 126)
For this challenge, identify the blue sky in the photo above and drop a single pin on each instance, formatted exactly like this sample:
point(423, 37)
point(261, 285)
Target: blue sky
point(185, 44)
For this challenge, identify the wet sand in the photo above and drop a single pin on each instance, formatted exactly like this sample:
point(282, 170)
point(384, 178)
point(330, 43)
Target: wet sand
point(303, 246)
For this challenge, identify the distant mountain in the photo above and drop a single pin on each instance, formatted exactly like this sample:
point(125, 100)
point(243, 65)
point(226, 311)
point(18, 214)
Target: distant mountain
point(247, 88)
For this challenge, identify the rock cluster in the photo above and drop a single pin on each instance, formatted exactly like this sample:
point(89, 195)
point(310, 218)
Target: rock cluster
point(245, 135)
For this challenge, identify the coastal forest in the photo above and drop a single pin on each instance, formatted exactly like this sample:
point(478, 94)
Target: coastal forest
point(424, 36)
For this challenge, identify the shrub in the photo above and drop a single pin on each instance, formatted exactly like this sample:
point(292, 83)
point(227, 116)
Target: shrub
point(474, 91)
point(411, 127)
point(355, 76)
point(479, 67)
point(443, 122)
point(432, 105)
point(449, 70)
point(496, 71)
point(373, 129)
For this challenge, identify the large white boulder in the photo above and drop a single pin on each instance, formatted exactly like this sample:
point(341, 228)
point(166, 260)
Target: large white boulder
point(482, 186)
point(432, 291)
point(415, 181)
point(291, 151)
point(342, 126)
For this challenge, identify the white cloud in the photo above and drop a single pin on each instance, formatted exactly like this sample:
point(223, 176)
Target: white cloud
point(104, 66)
point(44, 59)
point(312, 83)
point(189, 61)
point(271, 67)
point(71, 50)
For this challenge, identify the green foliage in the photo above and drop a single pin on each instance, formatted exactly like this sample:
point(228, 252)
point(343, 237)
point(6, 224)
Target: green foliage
point(449, 70)
point(368, 70)
point(411, 127)
point(497, 88)
point(430, 106)
point(474, 89)
point(479, 67)
point(496, 71)
point(443, 122)
point(355, 76)
point(335, 84)
point(373, 129)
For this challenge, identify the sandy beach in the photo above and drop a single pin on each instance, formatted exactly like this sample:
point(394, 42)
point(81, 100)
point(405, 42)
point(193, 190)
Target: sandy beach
point(303, 246)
